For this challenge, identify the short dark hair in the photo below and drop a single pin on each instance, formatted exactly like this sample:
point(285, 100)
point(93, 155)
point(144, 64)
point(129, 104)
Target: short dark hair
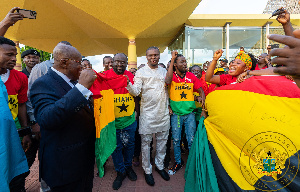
point(4, 40)
point(152, 47)
point(175, 61)
point(85, 60)
point(178, 55)
point(120, 53)
point(254, 61)
point(194, 67)
point(106, 57)
point(65, 42)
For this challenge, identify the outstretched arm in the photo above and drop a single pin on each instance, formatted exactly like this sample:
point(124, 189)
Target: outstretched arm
point(209, 76)
point(268, 71)
point(10, 19)
point(136, 88)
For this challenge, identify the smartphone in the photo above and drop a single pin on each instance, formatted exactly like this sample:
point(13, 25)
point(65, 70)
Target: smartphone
point(274, 46)
point(27, 13)
point(277, 12)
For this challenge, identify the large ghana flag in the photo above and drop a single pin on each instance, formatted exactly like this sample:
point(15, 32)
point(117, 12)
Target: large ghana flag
point(103, 95)
point(253, 137)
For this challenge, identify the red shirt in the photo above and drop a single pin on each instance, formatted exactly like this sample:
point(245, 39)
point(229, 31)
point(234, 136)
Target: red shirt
point(204, 86)
point(257, 68)
point(17, 86)
point(190, 78)
point(227, 79)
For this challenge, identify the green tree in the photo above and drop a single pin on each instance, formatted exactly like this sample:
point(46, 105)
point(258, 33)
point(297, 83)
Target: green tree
point(44, 55)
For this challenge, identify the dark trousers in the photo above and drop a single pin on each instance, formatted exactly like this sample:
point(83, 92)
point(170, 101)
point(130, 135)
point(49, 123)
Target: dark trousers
point(83, 185)
point(125, 140)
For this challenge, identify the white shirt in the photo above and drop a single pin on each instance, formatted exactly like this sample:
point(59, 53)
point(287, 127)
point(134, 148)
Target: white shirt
point(85, 92)
point(150, 83)
point(5, 76)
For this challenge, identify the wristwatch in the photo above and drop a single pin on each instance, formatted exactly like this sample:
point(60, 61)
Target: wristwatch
point(32, 122)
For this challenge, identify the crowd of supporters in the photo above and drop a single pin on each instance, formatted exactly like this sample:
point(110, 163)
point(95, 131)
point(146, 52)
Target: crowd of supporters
point(168, 102)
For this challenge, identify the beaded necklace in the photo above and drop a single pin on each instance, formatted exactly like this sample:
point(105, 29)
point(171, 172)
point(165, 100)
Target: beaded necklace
point(185, 85)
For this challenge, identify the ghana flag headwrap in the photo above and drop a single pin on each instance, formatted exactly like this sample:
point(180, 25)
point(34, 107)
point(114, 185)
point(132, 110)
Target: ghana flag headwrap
point(245, 58)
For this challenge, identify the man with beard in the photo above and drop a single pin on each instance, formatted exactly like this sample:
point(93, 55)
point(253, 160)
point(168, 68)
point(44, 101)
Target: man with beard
point(154, 118)
point(125, 122)
point(182, 85)
point(30, 57)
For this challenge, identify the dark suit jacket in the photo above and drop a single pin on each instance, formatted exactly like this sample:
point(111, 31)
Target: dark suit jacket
point(67, 147)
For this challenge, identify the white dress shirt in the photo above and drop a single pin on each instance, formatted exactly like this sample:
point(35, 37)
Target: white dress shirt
point(85, 92)
point(150, 83)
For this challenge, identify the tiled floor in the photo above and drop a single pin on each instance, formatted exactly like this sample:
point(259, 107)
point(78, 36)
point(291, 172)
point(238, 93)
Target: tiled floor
point(104, 184)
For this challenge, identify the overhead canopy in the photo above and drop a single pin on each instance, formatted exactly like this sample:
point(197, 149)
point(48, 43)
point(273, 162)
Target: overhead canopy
point(219, 20)
point(97, 27)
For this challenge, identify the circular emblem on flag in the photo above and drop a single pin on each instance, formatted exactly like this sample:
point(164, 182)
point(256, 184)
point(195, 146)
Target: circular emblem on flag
point(265, 161)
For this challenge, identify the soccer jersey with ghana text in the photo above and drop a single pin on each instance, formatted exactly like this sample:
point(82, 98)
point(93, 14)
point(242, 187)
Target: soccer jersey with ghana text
point(181, 93)
point(123, 102)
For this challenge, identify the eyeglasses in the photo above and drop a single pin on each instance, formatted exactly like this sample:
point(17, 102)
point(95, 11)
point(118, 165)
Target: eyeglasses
point(78, 62)
point(120, 62)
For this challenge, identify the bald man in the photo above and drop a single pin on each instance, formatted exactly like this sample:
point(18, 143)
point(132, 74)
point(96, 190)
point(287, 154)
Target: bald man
point(64, 112)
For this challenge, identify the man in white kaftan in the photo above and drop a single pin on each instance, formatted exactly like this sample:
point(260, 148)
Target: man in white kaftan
point(149, 83)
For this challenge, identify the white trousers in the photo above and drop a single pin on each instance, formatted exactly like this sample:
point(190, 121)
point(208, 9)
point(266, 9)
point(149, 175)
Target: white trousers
point(161, 141)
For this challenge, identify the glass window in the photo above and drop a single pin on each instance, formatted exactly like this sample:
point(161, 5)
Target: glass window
point(251, 38)
point(201, 43)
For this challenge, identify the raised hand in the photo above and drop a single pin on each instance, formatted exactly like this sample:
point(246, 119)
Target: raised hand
point(174, 54)
point(218, 54)
point(87, 78)
point(284, 17)
point(12, 17)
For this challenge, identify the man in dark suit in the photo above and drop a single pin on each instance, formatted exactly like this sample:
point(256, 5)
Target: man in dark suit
point(64, 112)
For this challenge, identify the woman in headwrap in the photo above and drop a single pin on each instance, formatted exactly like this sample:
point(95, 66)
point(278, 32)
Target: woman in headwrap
point(240, 64)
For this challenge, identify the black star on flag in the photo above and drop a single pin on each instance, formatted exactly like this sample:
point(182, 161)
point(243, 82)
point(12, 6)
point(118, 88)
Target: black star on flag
point(183, 95)
point(123, 107)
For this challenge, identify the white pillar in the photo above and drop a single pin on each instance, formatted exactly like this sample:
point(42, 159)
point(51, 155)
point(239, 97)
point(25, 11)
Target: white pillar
point(188, 48)
point(267, 33)
point(193, 56)
point(227, 41)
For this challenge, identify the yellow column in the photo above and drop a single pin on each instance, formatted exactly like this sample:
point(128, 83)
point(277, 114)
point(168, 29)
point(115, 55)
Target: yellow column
point(132, 58)
point(19, 61)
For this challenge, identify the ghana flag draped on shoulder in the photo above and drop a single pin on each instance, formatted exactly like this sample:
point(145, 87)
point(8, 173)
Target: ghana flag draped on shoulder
point(104, 113)
point(253, 136)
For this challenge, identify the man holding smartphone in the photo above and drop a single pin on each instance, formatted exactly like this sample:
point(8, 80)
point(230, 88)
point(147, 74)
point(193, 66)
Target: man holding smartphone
point(11, 18)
